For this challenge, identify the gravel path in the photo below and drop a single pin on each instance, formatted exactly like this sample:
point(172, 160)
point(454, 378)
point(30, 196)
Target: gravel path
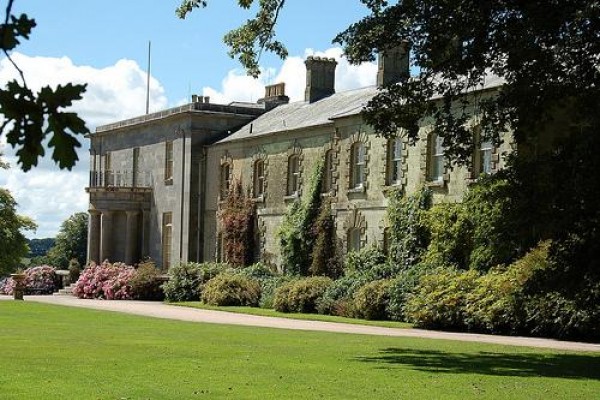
point(160, 310)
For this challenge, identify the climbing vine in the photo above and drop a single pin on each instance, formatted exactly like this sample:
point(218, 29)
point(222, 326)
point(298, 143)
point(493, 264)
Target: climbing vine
point(295, 234)
point(237, 215)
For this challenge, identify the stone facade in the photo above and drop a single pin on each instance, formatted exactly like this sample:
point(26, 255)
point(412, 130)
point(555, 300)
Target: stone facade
point(147, 179)
point(140, 205)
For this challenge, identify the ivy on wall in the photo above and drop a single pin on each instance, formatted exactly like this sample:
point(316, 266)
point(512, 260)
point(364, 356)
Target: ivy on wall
point(237, 216)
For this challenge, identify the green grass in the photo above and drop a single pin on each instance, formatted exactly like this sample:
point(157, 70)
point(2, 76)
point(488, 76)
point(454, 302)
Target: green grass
point(264, 312)
point(52, 352)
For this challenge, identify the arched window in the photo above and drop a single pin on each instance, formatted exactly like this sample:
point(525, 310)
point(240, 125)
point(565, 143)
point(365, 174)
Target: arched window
point(394, 161)
point(225, 179)
point(357, 168)
point(436, 160)
point(259, 178)
point(293, 176)
point(328, 172)
point(354, 242)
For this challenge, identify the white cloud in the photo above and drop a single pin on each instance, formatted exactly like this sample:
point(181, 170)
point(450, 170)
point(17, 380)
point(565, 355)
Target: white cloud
point(237, 86)
point(116, 92)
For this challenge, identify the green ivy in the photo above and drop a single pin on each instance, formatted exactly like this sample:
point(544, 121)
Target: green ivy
point(295, 234)
point(409, 235)
point(237, 216)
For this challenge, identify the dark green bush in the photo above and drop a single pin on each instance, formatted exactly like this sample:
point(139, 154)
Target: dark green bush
point(371, 301)
point(337, 299)
point(231, 290)
point(402, 286)
point(440, 299)
point(363, 261)
point(496, 303)
point(451, 232)
point(146, 283)
point(186, 280)
point(268, 288)
point(301, 295)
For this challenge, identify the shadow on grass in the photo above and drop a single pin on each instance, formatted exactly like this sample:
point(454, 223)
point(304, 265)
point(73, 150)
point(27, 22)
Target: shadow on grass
point(574, 366)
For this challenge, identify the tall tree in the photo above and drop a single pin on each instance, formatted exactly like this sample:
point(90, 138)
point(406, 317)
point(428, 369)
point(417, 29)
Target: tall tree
point(13, 244)
point(29, 117)
point(71, 242)
point(546, 52)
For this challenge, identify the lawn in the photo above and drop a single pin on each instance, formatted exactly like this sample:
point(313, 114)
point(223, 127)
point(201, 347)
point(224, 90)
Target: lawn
point(52, 352)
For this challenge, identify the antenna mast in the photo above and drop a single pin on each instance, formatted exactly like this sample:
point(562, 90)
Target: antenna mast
point(148, 80)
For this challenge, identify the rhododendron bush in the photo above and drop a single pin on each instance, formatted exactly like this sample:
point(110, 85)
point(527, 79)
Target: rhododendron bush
point(105, 281)
point(38, 280)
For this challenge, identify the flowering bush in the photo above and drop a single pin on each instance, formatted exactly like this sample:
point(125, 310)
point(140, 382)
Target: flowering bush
point(105, 281)
point(6, 286)
point(40, 280)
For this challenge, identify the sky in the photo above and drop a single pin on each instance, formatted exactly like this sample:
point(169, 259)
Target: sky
point(105, 44)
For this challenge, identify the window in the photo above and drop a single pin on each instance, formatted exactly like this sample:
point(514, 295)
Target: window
point(483, 159)
point(167, 236)
point(108, 174)
point(386, 241)
point(136, 166)
point(354, 239)
point(436, 159)
point(225, 179)
point(394, 161)
point(293, 177)
point(259, 178)
point(169, 161)
point(328, 172)
point(358, 157)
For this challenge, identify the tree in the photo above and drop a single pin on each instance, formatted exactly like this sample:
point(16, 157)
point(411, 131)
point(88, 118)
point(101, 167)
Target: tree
point(545, 51)
point(71, 242)
point(29, 118)
point(13, 244)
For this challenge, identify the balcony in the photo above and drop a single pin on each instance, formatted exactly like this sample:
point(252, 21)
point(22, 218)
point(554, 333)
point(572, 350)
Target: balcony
point(120, 179)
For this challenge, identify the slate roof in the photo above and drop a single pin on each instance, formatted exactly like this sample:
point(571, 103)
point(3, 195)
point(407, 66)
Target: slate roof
point(301, 114)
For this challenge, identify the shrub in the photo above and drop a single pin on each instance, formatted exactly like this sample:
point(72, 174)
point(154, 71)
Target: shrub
point(105, 281)
point(6, 286)
point(363, 261)
point(236, 216)
point(402, 286)
point(231, 290)
point(451, 233)
point(268, 287)
point(325, 255)
point(409, 235)
point(258, 271)
point(146, 283)
point(186, 280)
point(371, 301)
point(74, 270)
point(301, 295)
point(337, 299)
point(440, 299)
point(38, 280)
point(496, 302)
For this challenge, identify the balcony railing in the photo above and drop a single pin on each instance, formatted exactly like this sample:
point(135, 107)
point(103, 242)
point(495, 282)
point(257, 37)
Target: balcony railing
point(122, 179)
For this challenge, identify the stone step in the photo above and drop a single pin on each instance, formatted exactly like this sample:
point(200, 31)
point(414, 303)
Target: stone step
point(67, 291)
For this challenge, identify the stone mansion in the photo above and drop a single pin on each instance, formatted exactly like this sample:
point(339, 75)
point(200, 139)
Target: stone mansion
point(156, 181)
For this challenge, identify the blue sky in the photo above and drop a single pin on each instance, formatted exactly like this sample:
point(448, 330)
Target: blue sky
point(105, 44)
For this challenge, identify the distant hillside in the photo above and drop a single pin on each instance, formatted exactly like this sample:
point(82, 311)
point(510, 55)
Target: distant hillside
point(39, 247)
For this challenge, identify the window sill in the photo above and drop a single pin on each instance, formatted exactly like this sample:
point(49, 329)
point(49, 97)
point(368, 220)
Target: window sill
point(291, 197)
point(435, 184)
point(169, 182)
point(358, 189)
point(391, 188)
point(259, 199)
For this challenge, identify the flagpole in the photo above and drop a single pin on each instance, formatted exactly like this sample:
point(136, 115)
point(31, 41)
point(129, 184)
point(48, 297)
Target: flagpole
point(148, 80)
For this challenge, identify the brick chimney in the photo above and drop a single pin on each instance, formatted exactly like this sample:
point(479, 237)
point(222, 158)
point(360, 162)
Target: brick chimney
point(274, 96)
point(393, 64)
point(320, 78)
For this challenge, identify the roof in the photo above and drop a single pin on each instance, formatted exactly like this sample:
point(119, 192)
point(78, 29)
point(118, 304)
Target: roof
point(302, 114)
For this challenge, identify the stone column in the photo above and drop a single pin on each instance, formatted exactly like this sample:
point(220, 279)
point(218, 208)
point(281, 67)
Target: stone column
point(131, 238)
point(145, 233)
point(93, 248)
point(105, 246)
